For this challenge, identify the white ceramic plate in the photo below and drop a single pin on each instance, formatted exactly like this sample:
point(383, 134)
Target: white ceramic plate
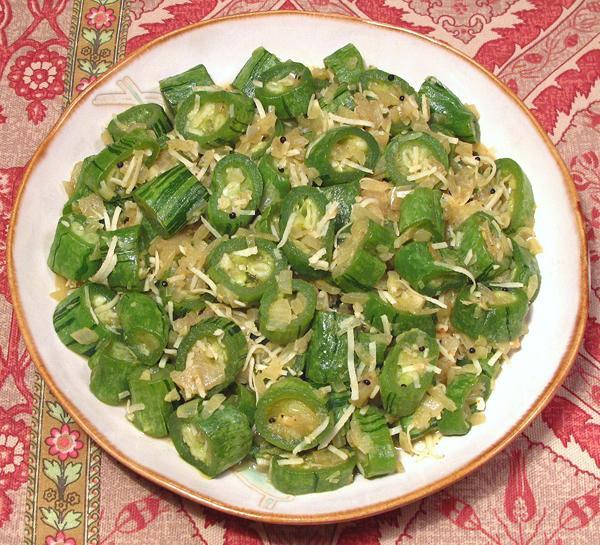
point(525, 385)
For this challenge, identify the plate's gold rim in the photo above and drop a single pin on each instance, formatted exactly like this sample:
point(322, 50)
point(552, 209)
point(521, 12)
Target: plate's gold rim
point(349, 514)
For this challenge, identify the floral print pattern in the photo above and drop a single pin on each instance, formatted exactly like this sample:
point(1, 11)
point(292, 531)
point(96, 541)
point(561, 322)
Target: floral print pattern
point(64, 443)
point(59, 539)
point(100, 17)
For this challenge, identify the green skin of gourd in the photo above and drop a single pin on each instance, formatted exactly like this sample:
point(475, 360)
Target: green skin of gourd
point(176, 89)
point(396, 169)
point(455, 422)
point(321, 471)
point(319, 155)
point(372, 430)
point(267, 253)
point(276, 184)
point(299, 325)
point(524, 267)
point(233, 126)
point(110, 367)
point(447, 113)
point(346, 64)
point(377, 80)
point(243, 399)
point(98, 167)
point(327, 353)
point(152, 419)
point(259, 62)
point(171, 200)
point(235, 347)
point(151, 116)
point(219, 219)
point(399, 394)
point(128, 250)
point(400, 321)
point(289, 101)
point(415, 263)
point(75, 250)
point(183, 302)
point(502, 322)
point(277, 402)
point(145, 326)
point(422, 210)
point(73, 313)
point(345, 196)
point(341, 97)
point(522, 202)
point(482, 264)
point(296, 201)
point(212, 444)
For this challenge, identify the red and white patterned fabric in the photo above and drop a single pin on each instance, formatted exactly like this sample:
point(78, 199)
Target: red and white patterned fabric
point(543, 490)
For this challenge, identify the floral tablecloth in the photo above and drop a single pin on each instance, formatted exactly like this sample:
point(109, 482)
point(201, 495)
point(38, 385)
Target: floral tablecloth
point(58, 488)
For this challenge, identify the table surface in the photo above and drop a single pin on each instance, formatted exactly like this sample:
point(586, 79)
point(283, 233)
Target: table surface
point(58, 488)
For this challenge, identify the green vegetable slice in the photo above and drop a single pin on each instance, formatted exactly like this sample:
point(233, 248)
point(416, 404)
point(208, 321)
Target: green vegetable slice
point(421, 213)
point(175, 89)
point(149, 117)
point(346, 64)
point(110, 367)
point(242, 268)
point(259, 62)
point(292, 415)
point(408, 372)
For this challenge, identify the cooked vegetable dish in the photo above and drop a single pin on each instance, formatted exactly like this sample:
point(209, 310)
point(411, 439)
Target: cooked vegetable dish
point(316, 271)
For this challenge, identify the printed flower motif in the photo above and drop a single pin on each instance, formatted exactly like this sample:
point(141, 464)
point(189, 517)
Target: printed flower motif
point(64, 443)
point(84, 83)
point(100, 17)
point(13, 452)
point(59, 539)
point(38, 75)
point(73, 498)
point(519, 502)
point(460, 513)
point(49, 494)
point(2, 116)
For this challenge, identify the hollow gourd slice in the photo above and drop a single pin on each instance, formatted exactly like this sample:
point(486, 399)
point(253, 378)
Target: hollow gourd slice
point(292, 415)
point(243, 399)
point(145, 326)
point(172, 200)
point(175, 89)
point(214, 118)
point(110, 367)
point(521, 203)
point(346, 63)
point(276, 183)
point(421, 213)
point(306, 231)
point(344, 195)
point(408, 372)
point(149, 117)
point(327, 355)
point(259, 62)
point(392, 92)
point(111, 172)
point(288, 87)
point(428, 271)
point(243, 268)
point(319, 471)
point(370, 438)
point(356, 265)
point(128, 251)
point(380, 314)
point(524, 270)
point(460, 391)
point(75, 251)
point(236, 192)
point(483, 248)
point(85, 317)
point(447, 113)
point(342, 155)
point(497, 314)
point(415, 158)
point(285, 313)
point(209, 357)
point(211, 444)
point(150, 392)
